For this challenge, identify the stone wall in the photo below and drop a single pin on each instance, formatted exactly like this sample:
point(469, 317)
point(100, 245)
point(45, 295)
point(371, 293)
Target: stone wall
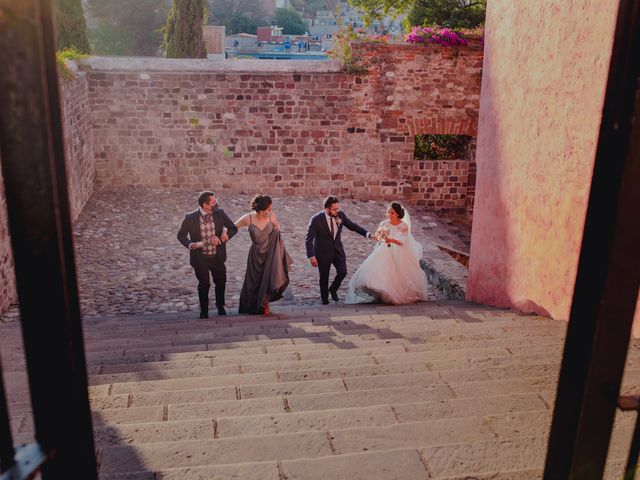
point(80, 174)
point(539, 127)
point(287, 127)
point(78, 134)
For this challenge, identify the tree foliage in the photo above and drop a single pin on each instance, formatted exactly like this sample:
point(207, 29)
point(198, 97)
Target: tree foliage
point(445, 13)
point(183, 30)
point(71, 25)
point(442, 147)
point(290, 21)
point(125, 27)
point(448, 13)
point(238, 16)
point(378, 9)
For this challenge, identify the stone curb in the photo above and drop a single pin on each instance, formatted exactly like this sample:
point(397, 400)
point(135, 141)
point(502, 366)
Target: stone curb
point(445, 274)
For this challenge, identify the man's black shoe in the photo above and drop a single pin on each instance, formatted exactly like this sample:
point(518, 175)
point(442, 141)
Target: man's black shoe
point(221, 311)
point(204, 314)
point(325, 302)
point(334, 295)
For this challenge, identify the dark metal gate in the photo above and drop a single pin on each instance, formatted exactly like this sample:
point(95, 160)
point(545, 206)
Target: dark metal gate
point(32, 154)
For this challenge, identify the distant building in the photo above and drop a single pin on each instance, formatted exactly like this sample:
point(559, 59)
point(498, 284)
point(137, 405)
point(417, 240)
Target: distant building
point(270, 34)
point(324, 24)
point(214, 40)
point(241, 41)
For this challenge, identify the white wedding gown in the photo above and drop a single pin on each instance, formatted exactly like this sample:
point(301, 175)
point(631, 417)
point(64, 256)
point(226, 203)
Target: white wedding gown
point(391, 274)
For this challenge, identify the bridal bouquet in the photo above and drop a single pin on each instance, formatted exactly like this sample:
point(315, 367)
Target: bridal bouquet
point(381, 235)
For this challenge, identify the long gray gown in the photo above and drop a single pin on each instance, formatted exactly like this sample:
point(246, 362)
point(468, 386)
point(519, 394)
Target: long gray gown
point(267, 272)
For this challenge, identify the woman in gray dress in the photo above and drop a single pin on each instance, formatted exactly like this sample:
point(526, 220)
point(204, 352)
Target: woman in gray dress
point(268, 264)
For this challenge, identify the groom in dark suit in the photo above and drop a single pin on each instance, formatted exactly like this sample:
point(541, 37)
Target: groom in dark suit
point(324, 246)
point(205, 232)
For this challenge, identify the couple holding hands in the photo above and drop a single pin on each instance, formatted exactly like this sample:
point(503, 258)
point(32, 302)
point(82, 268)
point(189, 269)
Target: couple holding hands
point(390, 274)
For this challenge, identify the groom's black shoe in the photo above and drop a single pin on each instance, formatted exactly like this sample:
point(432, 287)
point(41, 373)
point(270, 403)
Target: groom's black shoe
point(221, 311)
point(204, 314)
point(334, 295)
point(325, 302)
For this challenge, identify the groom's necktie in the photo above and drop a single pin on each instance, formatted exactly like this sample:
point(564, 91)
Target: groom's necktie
point(333, 228)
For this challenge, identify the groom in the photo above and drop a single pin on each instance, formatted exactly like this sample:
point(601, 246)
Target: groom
point(324, 246)
point(204, 232)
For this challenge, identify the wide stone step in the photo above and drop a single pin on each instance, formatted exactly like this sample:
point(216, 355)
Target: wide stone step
point(302, 346)
point(158, 456)
point(292, 365)
point(240, 471)
point(461, 383)
point(250, 345)
point(253, 385)
point(242, 337)
point(307, 350)
point(300, 327)
point(501, 414)
point(190, 334)
point(433, 309)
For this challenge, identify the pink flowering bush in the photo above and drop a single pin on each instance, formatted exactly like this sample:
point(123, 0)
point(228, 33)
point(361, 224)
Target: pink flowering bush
point(438, 36)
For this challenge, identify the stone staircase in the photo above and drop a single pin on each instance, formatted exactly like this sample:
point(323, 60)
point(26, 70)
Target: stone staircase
point(446, 390)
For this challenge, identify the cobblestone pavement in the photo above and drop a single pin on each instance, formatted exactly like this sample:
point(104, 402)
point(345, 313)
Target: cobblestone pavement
point(129, 260)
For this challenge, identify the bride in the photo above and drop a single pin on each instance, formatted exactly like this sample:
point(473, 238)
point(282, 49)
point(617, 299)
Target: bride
point(391, 273)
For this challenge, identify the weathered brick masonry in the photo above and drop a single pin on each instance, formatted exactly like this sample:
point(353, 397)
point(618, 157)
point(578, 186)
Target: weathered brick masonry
point(284, 128)
point(290, 132)
point(80, 174)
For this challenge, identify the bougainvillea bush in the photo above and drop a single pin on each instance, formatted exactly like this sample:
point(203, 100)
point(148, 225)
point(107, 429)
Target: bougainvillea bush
point(438, 36)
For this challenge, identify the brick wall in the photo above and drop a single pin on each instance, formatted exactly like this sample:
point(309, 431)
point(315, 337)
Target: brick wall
point(289, 128)
point(441, 185)
point(80, 174)
point(81, 171)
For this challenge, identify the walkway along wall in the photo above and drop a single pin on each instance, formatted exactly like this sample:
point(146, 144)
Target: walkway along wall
point(537, 140)
point(287, 127)
point(80, 174)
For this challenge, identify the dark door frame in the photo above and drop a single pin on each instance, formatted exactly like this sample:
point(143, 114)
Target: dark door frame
point(608, 276)
point(33, 165)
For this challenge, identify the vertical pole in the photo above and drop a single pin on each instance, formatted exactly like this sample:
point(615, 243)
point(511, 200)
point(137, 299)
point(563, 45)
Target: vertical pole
point(32, 160)
point(608, 275)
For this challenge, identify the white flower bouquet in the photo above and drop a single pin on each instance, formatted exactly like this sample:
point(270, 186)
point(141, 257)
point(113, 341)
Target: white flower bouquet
point(381, 235)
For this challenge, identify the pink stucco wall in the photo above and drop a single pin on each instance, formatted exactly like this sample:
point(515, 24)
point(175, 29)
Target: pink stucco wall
point(543, 82)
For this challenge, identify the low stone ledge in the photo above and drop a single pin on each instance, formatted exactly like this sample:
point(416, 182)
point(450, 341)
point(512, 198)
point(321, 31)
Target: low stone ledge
point(445, 273)
point(185, 65)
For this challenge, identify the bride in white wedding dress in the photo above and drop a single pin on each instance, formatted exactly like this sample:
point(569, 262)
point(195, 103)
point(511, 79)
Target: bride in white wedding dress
point(391, 273)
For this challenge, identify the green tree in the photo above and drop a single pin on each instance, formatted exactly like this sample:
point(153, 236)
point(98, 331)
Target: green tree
point(125, 27)
point(378, 9)
point(71, 25)
point(183, 30)
point(238, 16)
point(446, 13)
point(290, 21)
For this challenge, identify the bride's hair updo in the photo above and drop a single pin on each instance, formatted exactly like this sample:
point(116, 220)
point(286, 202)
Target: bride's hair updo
point(260, 202)
point(398, 209)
